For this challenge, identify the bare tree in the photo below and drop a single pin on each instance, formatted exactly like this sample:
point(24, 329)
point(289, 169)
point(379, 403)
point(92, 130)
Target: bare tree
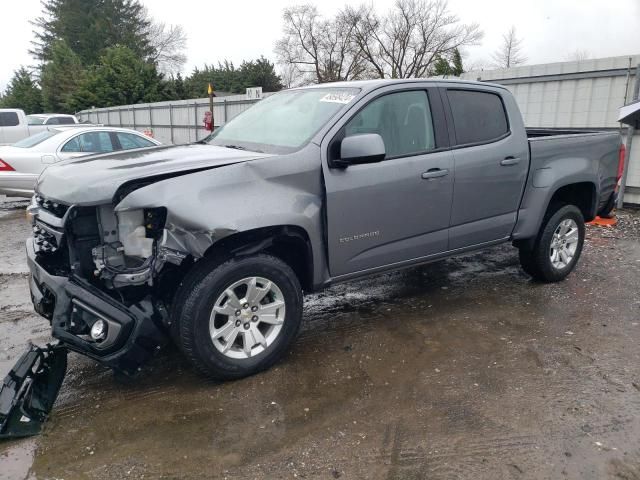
point(291, 76)
point(410, 38)
point(322, 50)
point(169, 43)
point(578, 55)
point(510, 52)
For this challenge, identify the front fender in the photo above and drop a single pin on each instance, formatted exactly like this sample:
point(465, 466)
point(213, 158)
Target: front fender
point(206, 206)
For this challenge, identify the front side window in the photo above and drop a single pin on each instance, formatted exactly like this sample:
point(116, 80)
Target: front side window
point(92, 142)
point(283, 122)
point(129, 141)
point(402, 119)
point(478, 117)
point(9, 119)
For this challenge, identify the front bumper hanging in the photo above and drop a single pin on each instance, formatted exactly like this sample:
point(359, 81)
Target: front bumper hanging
point(30, 389)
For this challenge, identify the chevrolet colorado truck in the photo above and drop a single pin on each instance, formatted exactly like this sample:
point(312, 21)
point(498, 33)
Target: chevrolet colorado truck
point(212, 244)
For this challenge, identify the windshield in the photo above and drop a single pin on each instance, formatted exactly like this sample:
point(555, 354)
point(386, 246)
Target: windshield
point(284, 122)
point(34, 140)
point(32, 120)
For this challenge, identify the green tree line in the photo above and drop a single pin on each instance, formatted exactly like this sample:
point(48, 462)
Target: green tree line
point(103, 54)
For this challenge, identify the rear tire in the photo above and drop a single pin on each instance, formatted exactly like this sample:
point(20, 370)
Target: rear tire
point(238, 317)
point(558, 246)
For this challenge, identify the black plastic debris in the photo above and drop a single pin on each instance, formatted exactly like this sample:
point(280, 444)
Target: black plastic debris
point(30, 389)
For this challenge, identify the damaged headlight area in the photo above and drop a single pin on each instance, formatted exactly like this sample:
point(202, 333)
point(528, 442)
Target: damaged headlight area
point(128, 252)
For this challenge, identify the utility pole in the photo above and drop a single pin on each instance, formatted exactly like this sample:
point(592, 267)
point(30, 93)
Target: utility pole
point(630, 132)
point(210, 92)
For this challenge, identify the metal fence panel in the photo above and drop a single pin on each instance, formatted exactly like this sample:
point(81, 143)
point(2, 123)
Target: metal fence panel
point(174, 122)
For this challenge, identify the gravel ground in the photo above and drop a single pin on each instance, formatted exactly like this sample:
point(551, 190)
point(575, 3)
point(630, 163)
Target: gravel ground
point(464, 368)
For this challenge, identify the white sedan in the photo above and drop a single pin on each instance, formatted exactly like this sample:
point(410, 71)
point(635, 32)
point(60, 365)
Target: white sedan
point(22, 162)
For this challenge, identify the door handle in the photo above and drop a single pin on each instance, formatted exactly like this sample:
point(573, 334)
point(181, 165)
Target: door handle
point(435, 173)
point(510, 161)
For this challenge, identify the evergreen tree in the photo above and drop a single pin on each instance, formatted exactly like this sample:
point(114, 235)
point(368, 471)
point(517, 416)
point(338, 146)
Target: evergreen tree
point(180, 88)
point(260, 73)
point(22, 92)
point(60, 78)
point(227, 78)
point(89, 27)
point(457, 69)
point(441, 67)
point(121, 78)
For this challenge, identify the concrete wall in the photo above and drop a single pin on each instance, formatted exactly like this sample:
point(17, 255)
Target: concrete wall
point(586, 94)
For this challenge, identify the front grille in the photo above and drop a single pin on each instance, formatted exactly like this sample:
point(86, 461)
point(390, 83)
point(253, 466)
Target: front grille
point(55, 208)
point(46, 241)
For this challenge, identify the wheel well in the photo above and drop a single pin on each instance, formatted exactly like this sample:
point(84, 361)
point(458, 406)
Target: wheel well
point(582, 195)
point(289, 243)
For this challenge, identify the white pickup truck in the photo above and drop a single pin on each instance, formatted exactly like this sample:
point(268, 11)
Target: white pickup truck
point(15, 125)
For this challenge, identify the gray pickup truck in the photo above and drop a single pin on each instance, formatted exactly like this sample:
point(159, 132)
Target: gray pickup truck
point(212, 244)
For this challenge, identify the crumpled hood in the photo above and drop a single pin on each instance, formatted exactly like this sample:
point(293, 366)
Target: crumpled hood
point(93, 180)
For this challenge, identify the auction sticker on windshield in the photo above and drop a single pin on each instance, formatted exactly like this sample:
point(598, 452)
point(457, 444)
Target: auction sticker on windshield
point(338, 97)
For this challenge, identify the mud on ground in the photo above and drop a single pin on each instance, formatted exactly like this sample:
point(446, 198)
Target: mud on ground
point(464, 368)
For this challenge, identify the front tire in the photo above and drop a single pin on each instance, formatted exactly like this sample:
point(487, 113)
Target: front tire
point(238, 317)
point(558, 246)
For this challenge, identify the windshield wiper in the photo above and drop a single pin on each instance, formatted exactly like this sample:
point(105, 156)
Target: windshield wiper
point(239, 147)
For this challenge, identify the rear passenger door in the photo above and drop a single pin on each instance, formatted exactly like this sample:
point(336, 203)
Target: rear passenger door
point(491, 159)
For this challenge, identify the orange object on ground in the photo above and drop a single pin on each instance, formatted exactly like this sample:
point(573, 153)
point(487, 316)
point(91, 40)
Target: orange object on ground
point(604, 222)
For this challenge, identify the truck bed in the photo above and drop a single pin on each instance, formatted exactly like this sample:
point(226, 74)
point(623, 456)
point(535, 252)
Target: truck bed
point(592, 153)
point(553, 132)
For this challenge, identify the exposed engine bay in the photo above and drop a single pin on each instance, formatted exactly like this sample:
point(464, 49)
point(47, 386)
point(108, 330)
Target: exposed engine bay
point(128, 251)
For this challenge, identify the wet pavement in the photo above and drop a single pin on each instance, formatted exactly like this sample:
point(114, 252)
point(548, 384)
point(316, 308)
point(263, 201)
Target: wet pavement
point(464, 368)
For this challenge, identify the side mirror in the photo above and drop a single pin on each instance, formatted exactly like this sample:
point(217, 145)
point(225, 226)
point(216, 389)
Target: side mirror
point(361, 148)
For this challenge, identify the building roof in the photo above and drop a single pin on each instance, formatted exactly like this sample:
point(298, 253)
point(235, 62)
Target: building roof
point(630, 114)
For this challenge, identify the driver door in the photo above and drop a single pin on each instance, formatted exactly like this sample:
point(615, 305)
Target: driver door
point(396, 210)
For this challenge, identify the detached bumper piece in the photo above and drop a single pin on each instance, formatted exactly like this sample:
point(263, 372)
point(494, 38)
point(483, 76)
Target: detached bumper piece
point(30, 389)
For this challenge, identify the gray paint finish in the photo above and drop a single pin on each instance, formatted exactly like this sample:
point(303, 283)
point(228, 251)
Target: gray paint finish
point(360, 219)
point(489, 181)
point(563, 160)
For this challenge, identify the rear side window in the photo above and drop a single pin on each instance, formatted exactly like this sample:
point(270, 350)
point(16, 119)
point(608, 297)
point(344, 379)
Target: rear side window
point(60, 121)
point(402, 119)
point(478, 117)
point(130, 140)
point(9, 119)
point(93, 142)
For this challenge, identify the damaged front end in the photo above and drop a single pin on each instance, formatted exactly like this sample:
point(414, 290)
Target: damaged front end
point(95, 277)
point(30, 389)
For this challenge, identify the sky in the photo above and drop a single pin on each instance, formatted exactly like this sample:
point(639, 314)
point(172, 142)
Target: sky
point(550, 29)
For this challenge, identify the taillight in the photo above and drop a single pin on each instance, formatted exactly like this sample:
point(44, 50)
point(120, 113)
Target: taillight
point(5, 167)
point(621, 154)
